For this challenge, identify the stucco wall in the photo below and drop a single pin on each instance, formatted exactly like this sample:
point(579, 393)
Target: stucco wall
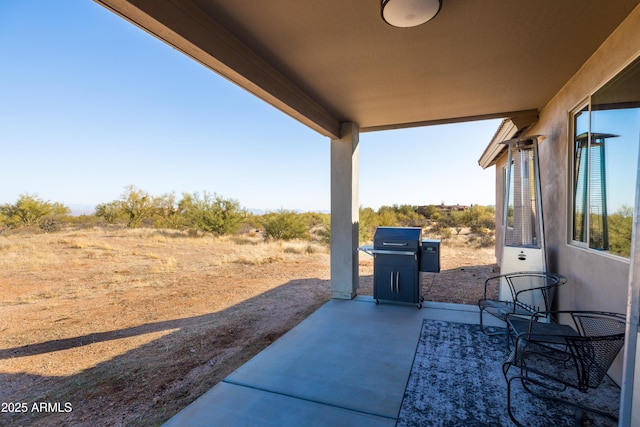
point(596, 281)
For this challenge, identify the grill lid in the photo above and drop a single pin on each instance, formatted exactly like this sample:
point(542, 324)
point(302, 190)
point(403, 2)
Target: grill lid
point(397, 238)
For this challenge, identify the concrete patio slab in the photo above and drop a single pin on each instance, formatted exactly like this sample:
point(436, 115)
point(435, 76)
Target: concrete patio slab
point(346, 364)
point(358, 358)
point(232, 405)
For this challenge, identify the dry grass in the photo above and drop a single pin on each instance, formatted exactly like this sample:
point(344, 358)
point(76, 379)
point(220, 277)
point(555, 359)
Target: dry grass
point(130, 326)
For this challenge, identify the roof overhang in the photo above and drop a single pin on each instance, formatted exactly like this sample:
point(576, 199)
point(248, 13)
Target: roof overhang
point(512, 127)
point(334, 61)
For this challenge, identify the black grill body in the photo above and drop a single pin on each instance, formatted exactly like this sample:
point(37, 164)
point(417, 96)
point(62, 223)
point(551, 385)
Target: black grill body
point(396, 265)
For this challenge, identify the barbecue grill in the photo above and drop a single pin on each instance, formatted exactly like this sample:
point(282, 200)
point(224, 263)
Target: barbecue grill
point(399, 256)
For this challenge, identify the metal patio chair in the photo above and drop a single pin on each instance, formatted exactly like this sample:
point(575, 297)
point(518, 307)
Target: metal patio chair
point(552, 360)
point(531, 292)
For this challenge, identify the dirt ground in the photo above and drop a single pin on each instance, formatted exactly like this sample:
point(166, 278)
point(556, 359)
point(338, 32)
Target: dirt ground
point(126, 327)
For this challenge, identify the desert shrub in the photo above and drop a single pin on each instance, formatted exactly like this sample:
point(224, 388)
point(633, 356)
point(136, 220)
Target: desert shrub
point(29, 210)
point(445, 233)
point(211, 213)
point(387, 217)
point(314, 219)
point(135, 208)
point(49, 225)
point(368, 222)
point(168, 213)
point(430, 212)
point(447, 221)
point(138, 206)
point(250, 223)
point(284, 225)
point(408, 216)
point(110, 212)
point(486, 237)
point(480, 217)
point(400, 215)
point(81, 221)
point(298, 250)
point(322, 231)
point(312, 249)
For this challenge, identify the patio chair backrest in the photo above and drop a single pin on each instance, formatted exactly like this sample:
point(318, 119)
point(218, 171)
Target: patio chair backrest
point(602, 338)
point(534, 290)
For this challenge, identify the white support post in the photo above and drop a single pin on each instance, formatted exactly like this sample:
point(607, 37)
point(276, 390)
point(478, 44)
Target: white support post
point(345, 164)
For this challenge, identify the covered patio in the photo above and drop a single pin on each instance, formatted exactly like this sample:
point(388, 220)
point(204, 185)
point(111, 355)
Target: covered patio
point(407, 367)
point(338, 68)
point(345, 365)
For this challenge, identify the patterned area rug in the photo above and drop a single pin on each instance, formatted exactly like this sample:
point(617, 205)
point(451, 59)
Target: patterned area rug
point(457, 380)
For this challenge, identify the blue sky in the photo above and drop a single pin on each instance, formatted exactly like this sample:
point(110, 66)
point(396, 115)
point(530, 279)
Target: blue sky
point(90, 104)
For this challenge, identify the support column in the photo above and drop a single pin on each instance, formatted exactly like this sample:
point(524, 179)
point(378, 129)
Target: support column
point(345, 167)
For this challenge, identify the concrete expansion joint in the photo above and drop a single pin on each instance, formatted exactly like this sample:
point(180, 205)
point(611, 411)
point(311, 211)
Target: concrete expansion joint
point(292, 396)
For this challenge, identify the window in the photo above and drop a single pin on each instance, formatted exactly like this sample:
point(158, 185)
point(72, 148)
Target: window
point(606, 137)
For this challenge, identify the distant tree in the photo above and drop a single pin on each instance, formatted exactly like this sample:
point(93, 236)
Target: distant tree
point(169, 211)
point(446, 221)
point(285, 225)
point(408, 215)
point(324, 232)
point(137, 205)
point(400, 215)
point(212, 213)
point(457, 219)
point(478, 217)
point(620, 231)
point(369, 220)
point(387, 217)
point(110, 212)
point(430, 212)
point(31, 210)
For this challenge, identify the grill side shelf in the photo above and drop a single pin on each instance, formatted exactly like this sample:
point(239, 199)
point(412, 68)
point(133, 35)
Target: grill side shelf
point(388, 252)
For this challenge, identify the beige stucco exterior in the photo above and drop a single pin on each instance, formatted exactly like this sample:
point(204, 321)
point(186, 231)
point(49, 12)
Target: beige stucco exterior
point(597, 281)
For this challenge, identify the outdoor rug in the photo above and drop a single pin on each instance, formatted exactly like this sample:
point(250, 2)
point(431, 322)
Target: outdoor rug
point(457, 380)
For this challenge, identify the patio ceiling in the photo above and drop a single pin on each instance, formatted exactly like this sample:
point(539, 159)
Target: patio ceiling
point(333, 61)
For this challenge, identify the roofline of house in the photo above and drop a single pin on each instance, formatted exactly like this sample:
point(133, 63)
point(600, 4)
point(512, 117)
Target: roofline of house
point(509, 128)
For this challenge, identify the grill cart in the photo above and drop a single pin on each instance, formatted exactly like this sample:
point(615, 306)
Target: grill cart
point(400, 255)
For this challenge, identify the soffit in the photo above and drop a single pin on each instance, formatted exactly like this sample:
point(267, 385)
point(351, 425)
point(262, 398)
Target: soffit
point(327, 62)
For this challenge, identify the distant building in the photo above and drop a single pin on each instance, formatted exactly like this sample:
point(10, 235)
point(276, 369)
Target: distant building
point(424, 210)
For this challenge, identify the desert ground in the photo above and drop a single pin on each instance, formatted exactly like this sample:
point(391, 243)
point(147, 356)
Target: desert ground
point(115, 327)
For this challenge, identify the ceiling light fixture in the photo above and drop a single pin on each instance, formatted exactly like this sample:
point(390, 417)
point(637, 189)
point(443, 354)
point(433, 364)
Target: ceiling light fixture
point(409, 13)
